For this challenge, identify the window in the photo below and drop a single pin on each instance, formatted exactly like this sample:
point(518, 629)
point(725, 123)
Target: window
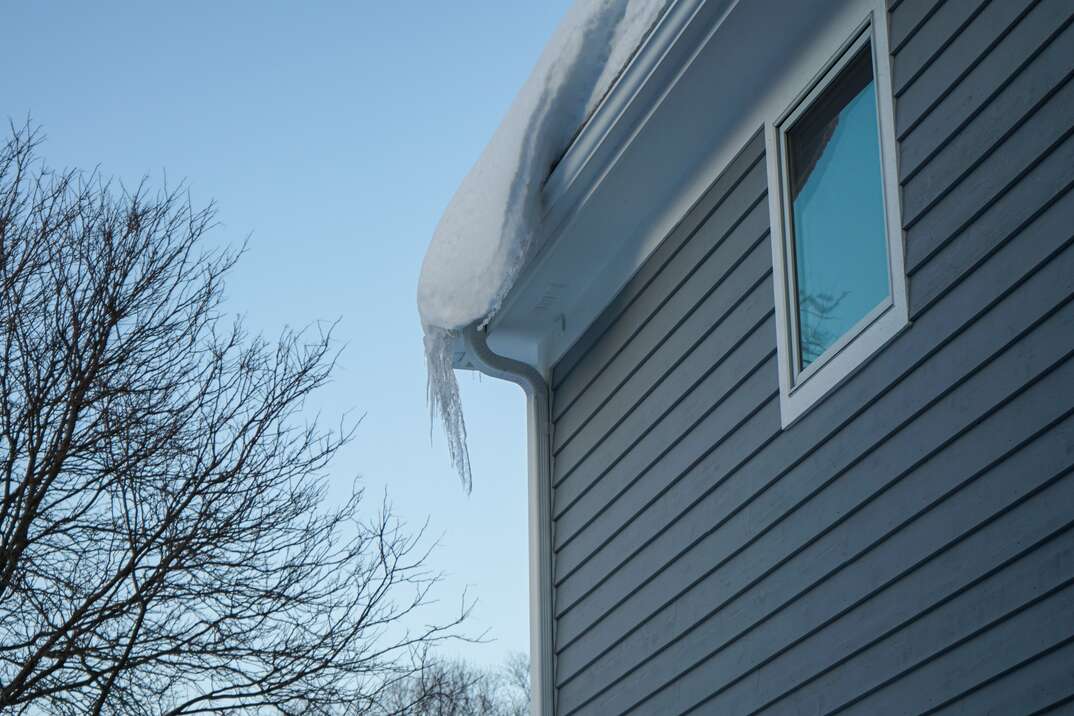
point(837, 238)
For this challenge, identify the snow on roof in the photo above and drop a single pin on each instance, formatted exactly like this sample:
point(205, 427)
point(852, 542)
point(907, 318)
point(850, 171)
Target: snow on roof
point(486, 234)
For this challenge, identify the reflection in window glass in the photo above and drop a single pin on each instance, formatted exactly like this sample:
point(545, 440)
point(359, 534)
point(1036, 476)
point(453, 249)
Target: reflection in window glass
point(837, 205)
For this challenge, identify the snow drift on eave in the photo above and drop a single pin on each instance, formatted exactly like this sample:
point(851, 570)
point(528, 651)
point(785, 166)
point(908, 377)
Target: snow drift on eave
point(486, 234)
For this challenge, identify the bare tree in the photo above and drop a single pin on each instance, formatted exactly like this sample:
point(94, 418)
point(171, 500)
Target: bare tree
point(815, 311)
point(456, 688)
point(516, 673)
point(165, 545)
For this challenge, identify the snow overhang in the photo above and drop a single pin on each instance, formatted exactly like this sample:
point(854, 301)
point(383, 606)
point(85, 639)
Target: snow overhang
point(698, 88)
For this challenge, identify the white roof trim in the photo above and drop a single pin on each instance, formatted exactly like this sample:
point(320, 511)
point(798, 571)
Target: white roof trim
point(665, 130)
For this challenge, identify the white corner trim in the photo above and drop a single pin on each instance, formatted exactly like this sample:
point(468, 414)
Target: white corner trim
point(797, 394)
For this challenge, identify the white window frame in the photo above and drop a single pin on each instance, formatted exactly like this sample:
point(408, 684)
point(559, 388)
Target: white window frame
point(800, 390)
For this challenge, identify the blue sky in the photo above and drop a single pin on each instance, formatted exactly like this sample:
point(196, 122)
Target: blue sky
point(333, 134)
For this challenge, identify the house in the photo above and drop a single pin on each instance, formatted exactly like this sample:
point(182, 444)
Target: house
point(797, 329)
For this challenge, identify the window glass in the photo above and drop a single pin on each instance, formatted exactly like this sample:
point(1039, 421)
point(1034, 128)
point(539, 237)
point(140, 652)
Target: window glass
point(839, 242)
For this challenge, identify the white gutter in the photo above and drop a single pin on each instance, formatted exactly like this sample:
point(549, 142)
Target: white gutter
point(539, 463)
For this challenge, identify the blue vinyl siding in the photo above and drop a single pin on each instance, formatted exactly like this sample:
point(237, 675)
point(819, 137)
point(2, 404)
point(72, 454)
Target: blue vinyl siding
point(907, 545)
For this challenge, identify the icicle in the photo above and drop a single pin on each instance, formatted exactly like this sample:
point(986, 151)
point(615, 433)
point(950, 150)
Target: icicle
point(445, 403)
point(485, 236)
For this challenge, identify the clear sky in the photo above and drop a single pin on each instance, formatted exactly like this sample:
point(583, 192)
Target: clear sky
point(334, 134)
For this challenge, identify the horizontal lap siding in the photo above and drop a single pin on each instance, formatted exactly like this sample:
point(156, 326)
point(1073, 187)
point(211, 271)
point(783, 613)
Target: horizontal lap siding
point(907, 546)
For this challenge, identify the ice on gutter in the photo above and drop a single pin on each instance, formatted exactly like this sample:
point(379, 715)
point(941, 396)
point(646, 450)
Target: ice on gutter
point(487, 232)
